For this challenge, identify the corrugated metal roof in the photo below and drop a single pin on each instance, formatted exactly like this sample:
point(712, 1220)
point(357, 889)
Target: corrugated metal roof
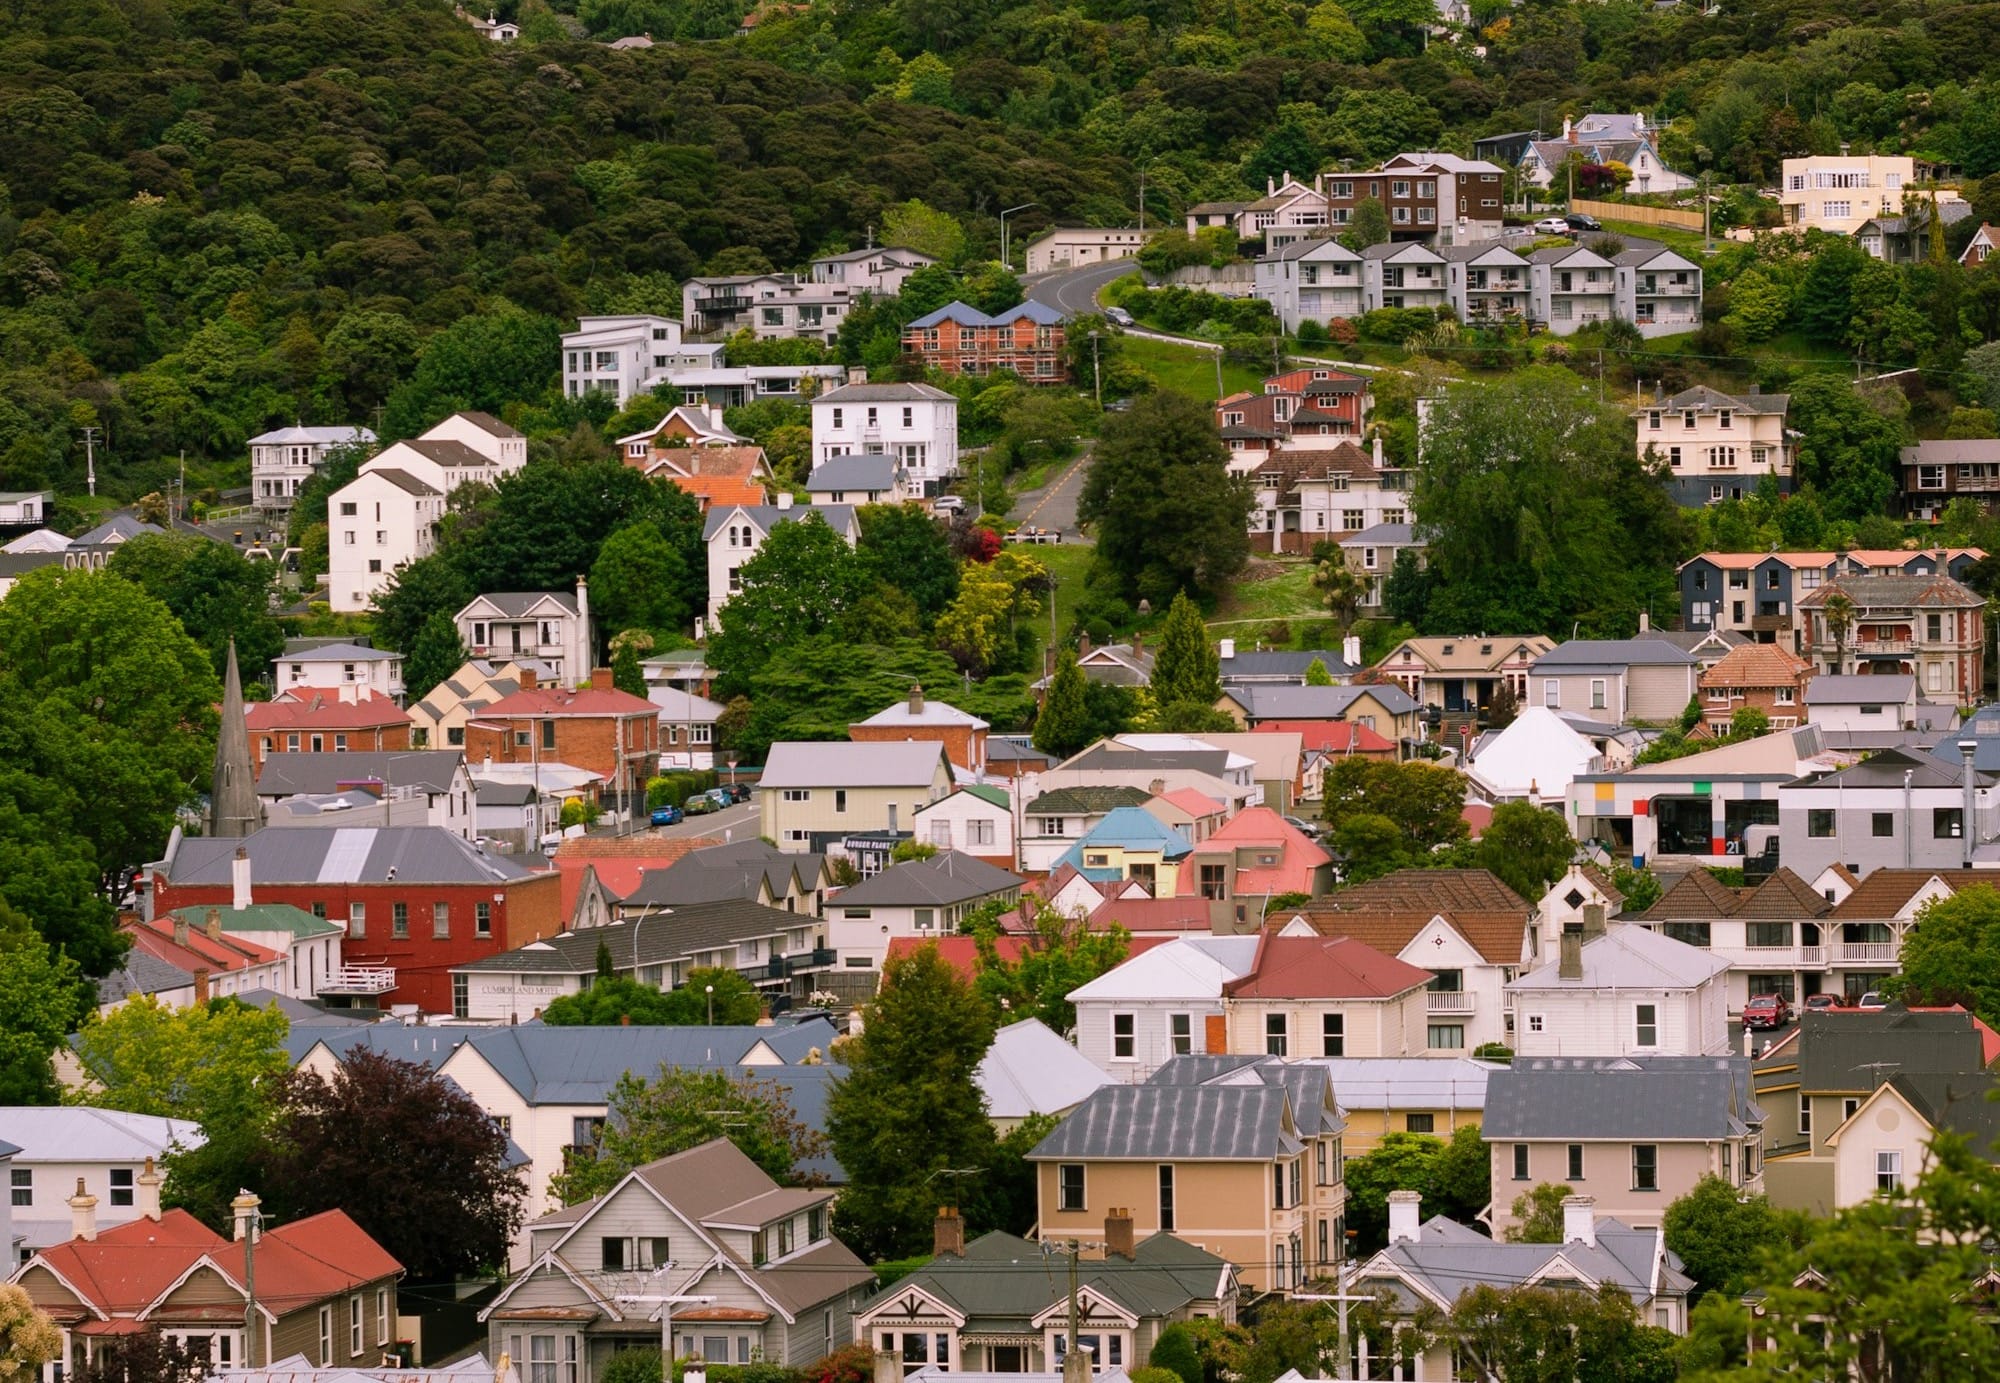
point(1591, 1098)
point(1191, 1122)
point(947, 877)
point(837, 764)
point(1628, 958)
point(56, 1133)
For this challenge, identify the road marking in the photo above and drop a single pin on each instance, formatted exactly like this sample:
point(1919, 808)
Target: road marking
point(1050, 493)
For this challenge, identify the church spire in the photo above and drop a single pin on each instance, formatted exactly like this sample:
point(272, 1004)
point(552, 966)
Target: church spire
point(232, 797)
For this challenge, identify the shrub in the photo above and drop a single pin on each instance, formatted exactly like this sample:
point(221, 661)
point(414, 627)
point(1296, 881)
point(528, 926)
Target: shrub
point(1174, 1353)
point(1492, 1051)
point(1343, 332)
point(1311, 333)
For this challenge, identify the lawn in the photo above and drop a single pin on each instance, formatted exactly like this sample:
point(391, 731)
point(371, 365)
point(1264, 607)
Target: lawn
point(1279, 589)
point(1067, 562)
point(1681, 242)
point(1188, 369)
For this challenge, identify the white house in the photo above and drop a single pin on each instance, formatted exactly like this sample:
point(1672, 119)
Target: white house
point(1310, 281)
point(505, 447)
point(773, 307)
point(1534, 759)
point(1622, 991)
point(108, 1150)
point(735, 534)
point(882, 269)
point(1574, 286)
point(977, 818)
point(1138, 1016)
point(1403, 274)
point(917, 424)
point(1066, 247)
point(551, 626)
point(342, 665)
point(923, 899)
point(1488, 283)
point(1717, 446)
point(623, 356)
point(1659, 292)
point(1605, 138)
point(282, 461)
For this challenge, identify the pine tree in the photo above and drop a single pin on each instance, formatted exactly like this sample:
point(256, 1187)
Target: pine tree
point(626, 674)
point(1063, 727)
point(1317, 674)
point(1187, 669)
point(435, 655)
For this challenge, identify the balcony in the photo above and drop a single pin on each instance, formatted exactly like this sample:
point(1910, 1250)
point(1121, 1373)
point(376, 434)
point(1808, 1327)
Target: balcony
point(1865, 953)
point(782, 967)
point(358, 979)
point(1812, 955)
point(1448, 1001)
point(1883, 648)
point(722, 305)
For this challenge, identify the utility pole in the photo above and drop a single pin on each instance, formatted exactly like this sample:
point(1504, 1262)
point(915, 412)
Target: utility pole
point(666, 1303)
point(1142, 199)
point(1218, 374)
point(1340, 1296)
point(1097, 372)
point(1707, 240)
point(249, 1221)
point(90, 457)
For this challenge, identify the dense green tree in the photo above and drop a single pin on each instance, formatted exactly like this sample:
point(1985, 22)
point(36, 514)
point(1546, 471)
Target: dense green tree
point(435, 654)
point(216, 594)
point(1168, 514)
point(1174, 1350)
point(904, 547)
point(1453, 1176)
point(1058, 954)
point(1528, 1334)
point(1187, 669)
point(416, 595)
point(1063, 726)
point(1317, 674)
point(801, 582)
point(1424, 802)
point(41, 1001)
point(1538, 1215)
point(643, 580)
point(487, 360)
point(1369, 225)
point(1848, 451)
point(1720, 1234)
point(1950, 955)
point(1528, 847)
point(626, 674)
point(607, 1002)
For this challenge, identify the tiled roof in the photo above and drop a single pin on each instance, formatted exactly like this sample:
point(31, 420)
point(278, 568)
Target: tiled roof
point(1884, 893)
point(222, 955)
point(1331, 736)
point(1782, 896)
point(1756, 665)
point(1696, 895)
point(1317, 967)
point(308, 708)
point(551, 702)
point(1388, 912)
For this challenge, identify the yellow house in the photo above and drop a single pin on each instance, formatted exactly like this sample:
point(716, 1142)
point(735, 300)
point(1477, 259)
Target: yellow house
point(1239, 1157)
point(1381, 1095)
point(1130, 843)
point(813, 794)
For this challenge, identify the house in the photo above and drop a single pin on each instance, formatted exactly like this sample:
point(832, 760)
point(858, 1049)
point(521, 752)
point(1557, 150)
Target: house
point(779, 952)
point(552, 627)
point(881, 270)
point(1460, 675)
point(1202, 215)
point(1623, 680)
point(1254, 857)
point(1817, 1078)
point(1837, 192)
point(683, 669)
point(1472, 932)
point(1659, 291)
point(1755, 677)
point(439, 720)
point(1756, 594)
point(1622, 991)
point(217, 966)
point(851, 479)
point(1898, 807)
point(1888, 1142)
point(1281, 667)
point(1288, 211)
point(735, 534)
point(712, 871)
point(1428, 195)
point(140, 973)
point(1327, 404)
point(1634, 1132)
point(1985, 241)
point(1371, 554)
point(335, 720)
point(1383, 707)
point(1567, 904)
point(1307, 494)
point(1428, 1266)
point(1131, 844)
point(284, 460)
point(1027, 339)
point(307, 949)
point(970, 1310)
point(56, 1150)
point(1273, 758)
point(389, 515)
point(917, 898)
point(977, 819)
point(766, 1278)
point(814, 795)
point(1321, 742)
point(468, 903)
point(1012, 757)
point(1488, 284)
point(1534, 759)
point(549, 1087)
point(1930, 626)
point(473, 1368)
point(1161, 1003)
point(1119, 664)
point(1055, 820)
point(1875, 712)
point(916, 425)
point(772, 307)
point(335, 665)
point(626, 355)
point(918, 719)
point(1031, 1070)
point(687, 727)
point(1906, 239)
point(611, 733)
point(27, 509)
point(1574, 286)
point(1601, 139)
point(1403, 274)
point(1936, 472)
point(688, 427)
point(1310, 280)
point(1068, 247)
point(1222, 774)
point(1380, 1095)
point(422, 787)
point(1310, 995)
point(322, 1288)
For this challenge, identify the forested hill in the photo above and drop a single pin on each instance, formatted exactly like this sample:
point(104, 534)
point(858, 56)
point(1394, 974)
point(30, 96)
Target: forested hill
point(217, 217)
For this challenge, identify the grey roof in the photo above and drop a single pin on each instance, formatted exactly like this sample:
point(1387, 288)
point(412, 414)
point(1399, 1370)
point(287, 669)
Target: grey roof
point(838, 474)
point(1002, 1282)
point(902, 252)
point(1892, 768)
point(1962, 1102)
point(1935, 451)
point(517, 604)
point(1701, 396)
point(1086, 800)
point(317, 436)
point(1299, 249)
point(838, 517)
point(286, 775)
point(1621, 1098)
point(1185, 1122)
point(80, 1133)
point(1583, 654)
point(1382, 535)
point(1318, 703)
point(1450, 1259)
point(1628, 958)
point(425, 1045)
point(21, 563)
point(1846, 689)
point(1309, 1084)
point(842, 764)
point(403, 480)
point(1852, 1052)
point(1688, 640)
point(343, 854)
point(721, 873)
point(489, 793)
point(339, 652)
point(116, 529)
point(945, 878)
point(1278, 662)
point(1107, 757)
point(665, 935)
point(486, 423)
point(884, 393)
point(141, 973)
point(1000, 748)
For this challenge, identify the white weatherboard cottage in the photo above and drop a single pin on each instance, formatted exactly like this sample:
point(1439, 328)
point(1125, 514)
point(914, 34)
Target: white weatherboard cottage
point(1138, 1016)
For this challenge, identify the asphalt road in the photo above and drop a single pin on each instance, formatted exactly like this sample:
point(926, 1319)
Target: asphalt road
point(1074, 291)
point(1054, 505)
point(738, 821)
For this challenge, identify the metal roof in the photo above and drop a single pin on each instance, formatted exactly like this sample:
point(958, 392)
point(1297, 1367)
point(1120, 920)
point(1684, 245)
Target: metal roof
point(837, 764)
point(945, 878)
point(666, 935)
point(1317, 703)
point(1187, 967)
point(851, 471)
point(1621, 1098)
point(286, 775)
point(1029, 1069)
point(343, 854)
point(1002, 1282)
point(1628, 958)
point(59, 1133)
point(1178, 1122)
point(1450, 1259)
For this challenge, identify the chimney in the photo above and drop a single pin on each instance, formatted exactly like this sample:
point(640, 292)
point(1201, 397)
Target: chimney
point(244, 1211)
point(527, 679)
point(715, 413)
point(948, 1232)
point(1569, 131)
point(916, 699)
point(1405, 1216)
point(1593, 920)
point(1215, 1034)
point(1138, 642)
point(213, 931)
point(1570, 966)
point(180, 929)
point(1226, 648)
point(1270, 186)
point(82, 1214)
point(888, 1367)
point(148, 1199)
point(1350, 650)
point(1580, 1220)
point(583, 641)
point(858, 374)
point(1967, 749)
point(239, 879)
point(1534, 792)
point(1645, 621)
point(600, 679)
point(784, 499)
point(201, 984)
point(1381, 463)
point(1082, 644)
point(1118, 1236)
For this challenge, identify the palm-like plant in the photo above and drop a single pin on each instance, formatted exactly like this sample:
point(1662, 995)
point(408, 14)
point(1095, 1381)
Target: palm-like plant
point(1838, 612)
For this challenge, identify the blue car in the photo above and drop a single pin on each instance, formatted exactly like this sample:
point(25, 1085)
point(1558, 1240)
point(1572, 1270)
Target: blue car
point(668, 816)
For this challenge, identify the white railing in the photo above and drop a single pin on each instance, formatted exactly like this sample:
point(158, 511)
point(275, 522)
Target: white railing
point(1812, 955)
point(1867, 952)
point(1448, 1001)
point(358, 979)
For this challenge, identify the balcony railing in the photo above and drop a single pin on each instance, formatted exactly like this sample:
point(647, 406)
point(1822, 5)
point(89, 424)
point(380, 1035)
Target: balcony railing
point(1812, 955)
point(1866, 953)
point(1876, 647)
point(1448, 1001)
point(358, 979)
point(781, 967)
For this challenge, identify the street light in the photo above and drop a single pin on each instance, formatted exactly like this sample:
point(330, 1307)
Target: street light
point(710, 991)
point(1003, 230)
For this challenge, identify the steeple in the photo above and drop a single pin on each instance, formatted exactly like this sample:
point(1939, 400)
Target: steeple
point(232, 797)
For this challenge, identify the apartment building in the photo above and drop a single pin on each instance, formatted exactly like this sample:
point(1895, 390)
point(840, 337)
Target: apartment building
point(773, 307)
point(1717, 446)
point(961, 340)
point(1310, 280)
point(881, 270)
point(1929, 626)
point(627, 355)
point(1837, 192)
point(1756, 594)
point(1403, 274)
point(1428, 194)
point(1898, 808)
point(1659, 291)
point(1488, 284)
point(1574, 287)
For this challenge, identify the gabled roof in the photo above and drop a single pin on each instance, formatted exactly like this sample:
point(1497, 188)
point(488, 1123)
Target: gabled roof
point(485, 422)
point(343, 854)
point(1001, 1283)
point(1188, 967)
point(141, 973)
point(1538, 750)
point(945, 878)
point(521, 604)
point(838, 517)
point(1029, 1069)
point(1585, 654)
point(1261, 702)
point(1701, 397)
point(1387, 913)
point(1317, 967)
point(714, 871)
point(1127, 828)
point(1176, 1122)
point(1625, 958)
point(314, 708)
point(1697, 895)
point(1264, 832)
point(1757, 665)
point(431, 770)
point(1621, 1098)
point(1085, 801)
point(1884, 893)
point(1449, 1259)
point(837, 764)
point(679, 931)
point(1850, 1051)
point(81, 1133)
point(258, 917)
point(579, 1065)
point(884, 393)
point(839, 474)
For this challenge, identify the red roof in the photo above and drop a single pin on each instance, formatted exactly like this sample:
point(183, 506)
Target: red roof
point(1194, 803)
point(1317, 967)
point(542, 702)
point(1298, 856)
point(1142, 915)
point(306, 708)
point(228, 953)
point(1330, 736)
point(619, 861)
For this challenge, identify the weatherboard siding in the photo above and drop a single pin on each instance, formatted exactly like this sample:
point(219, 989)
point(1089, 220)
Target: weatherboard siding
point(1607, 1176)
point(1152, 1023)
point(1395, 1027)
point(1602, 1022)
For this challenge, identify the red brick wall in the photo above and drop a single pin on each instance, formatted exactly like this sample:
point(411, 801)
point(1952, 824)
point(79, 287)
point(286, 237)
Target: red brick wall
point(266, 742)
point(962, 744)
point(590, 742)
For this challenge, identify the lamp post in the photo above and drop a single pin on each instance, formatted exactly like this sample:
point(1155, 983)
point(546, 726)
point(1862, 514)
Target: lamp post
point(709, 989)
point(1007, 263)
point(1096, 372)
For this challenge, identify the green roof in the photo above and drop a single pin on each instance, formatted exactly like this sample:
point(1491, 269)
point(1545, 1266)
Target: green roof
point(1003, 1281)
point(1085, 801)
point(987, 793)
point(259, 917)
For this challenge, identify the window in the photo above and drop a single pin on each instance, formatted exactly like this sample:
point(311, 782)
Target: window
point(1167, 1197)
point(1805, 1115)
point(1882, 824)
point(21, 1185)
point(840, 799)
point(381, 1315)
point(1646, 1026)
point(1576, 1162)
point(482, 919)
point(1889, 1171)
point(1274, 1034)
point(1123, 1041)
point(1819, 823)
point(461, 996)
point(548, 734)
point(1597, 693)
point(121, 1186)
point(1420, 1123)
point(1447, 1036)
point(1520, 1162)
point(1534, 1022)
point(441, 921)
point(1947, 823)
point(1181, 1028)
point(326, 1335)
point(1069, 1182)
point(797, 795)
point(1848, 1106)
point(1645, 1167)
point(354, 1325)
point(1333, 1034)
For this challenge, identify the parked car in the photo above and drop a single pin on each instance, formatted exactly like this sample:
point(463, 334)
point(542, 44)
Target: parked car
point(721, 798)
point(1118, 315)
point(701, 804)
point(1872, 1001)
point(948, 504)
point(1820, 1003)
point(1551, 225)
point(1576, 220)
point(738, 792)
point(1767, 1011)
point(669, 815)
point(1304, 827)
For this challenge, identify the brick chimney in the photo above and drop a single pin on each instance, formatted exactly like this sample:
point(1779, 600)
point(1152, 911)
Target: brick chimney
point(916, 699)
point(214, 927)
point(600, 679)
point(1118, 1235)
point(148, 1198)
point(82, 1213)
point(1570, 965)
point(527, 679)
point(948, 1233)
point(201, 984)
point(1593, 920)
point(180, 929)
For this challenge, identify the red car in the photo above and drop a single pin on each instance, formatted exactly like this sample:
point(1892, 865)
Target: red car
point(1821, 1003)
point(1767, 1011)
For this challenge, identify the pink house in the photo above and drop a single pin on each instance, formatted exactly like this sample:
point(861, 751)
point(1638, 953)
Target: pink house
point(1254, 858)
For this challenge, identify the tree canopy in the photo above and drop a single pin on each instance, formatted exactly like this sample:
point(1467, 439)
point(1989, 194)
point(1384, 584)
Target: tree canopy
point(614, 999)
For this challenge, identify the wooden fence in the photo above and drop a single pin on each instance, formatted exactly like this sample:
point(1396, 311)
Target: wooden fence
point(1641, 215)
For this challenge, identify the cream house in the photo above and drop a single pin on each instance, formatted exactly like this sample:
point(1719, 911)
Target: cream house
point(1837, 192)
point(1622, 991)
point(1309, 995)
point(1717, 446)
point(1885, 1145)
point(814, 794)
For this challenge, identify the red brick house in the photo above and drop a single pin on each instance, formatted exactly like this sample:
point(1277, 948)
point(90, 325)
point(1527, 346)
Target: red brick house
point(1761, 676)
point(325, 720)
point(962, 734)
point(415, 900)
point(597, 727)
point(961, 340)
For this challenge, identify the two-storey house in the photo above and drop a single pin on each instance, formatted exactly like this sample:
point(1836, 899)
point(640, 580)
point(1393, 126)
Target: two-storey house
point(1403, 274)
point(335, 720)
point(1635, 1133)
point(773, 307)
point(738, 1268)
point(1574, 286)
point(1756, 594)
point(1306, 494)
point(1659, 291)
point(106, 1151)
point(595, 727)
point(813, 796)
point(1315, 280)
point(734, 535)
point(1460, 675)
point(918, 898)
point(1756, 677)
point(1936, 472)
point(551, 627)
point(1254, 857)
point(1620, 680)
point(1227, 777)
point(1622, 991)
point(335, 664)
point(1932, 627)
point(1053, 821)
point(439, 719)
point(1288, 212)
point(914, 424)
point(1026, 339)
point(1488, 283)
point(1163, 1002)
point(1717, 446)
point(284, 460)
point(1131, 844)
point(1837, 192)
point(1898, 808)
point(1601, 138)
point(881, 269)
point(716, 473)
point(1249, 1171)
point(627, 355)
point(1310, 995)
